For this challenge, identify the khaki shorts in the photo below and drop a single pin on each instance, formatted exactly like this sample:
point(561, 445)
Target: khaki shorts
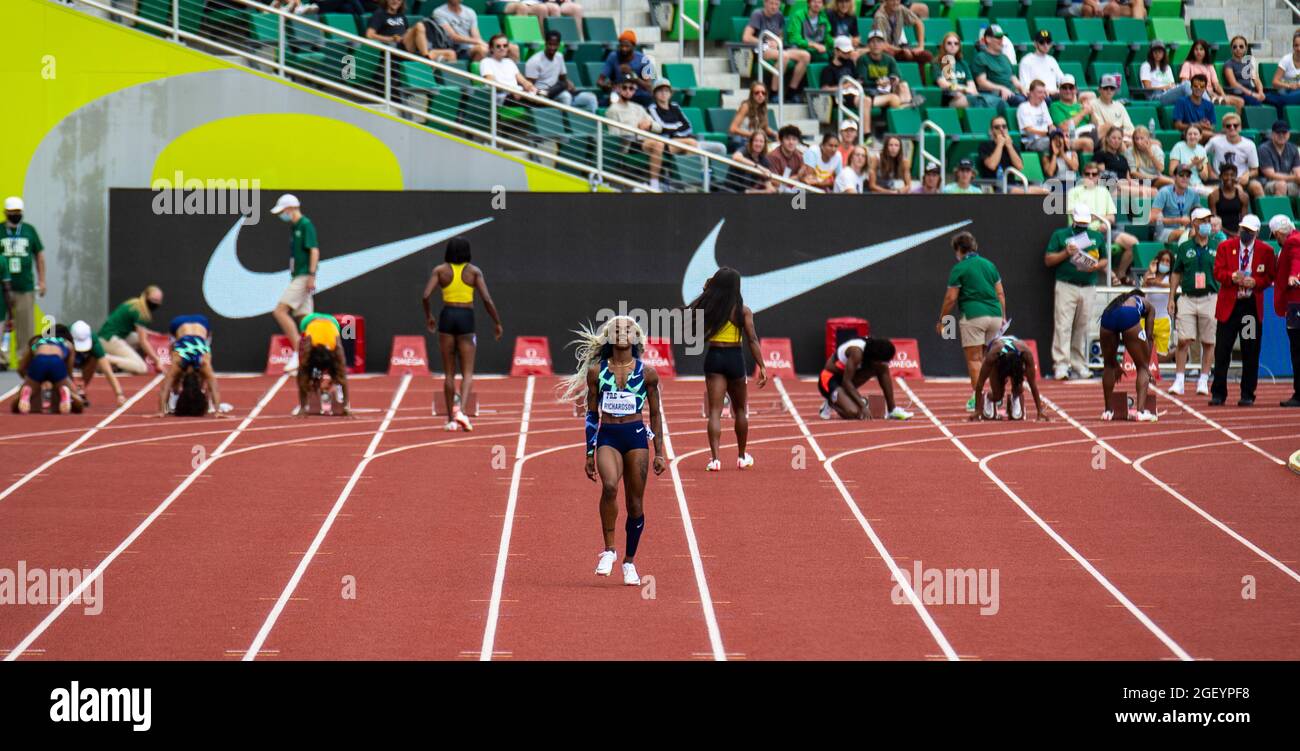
point(297, 297)
point(976, 332)
point(1196, 321)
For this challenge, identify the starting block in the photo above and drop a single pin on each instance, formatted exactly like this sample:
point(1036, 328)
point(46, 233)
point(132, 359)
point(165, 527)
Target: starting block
point(1122, 405)
point(278, 354)
point(1294, 462)
point(876, 406)
point(408, 356)
point(471, 409)
point(161, 346)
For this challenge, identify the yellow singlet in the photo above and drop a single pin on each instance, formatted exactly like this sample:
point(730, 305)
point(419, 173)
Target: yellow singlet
point(728, 334)
point(322, 331)
point(458, 291)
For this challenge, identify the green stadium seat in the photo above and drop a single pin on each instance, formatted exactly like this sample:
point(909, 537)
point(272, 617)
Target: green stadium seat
point(705, 98)
point(680, 75)
point(342, 21)
point(590, 72)
point(524, 30)
point(1260, 118)
point(1267, 207)
point(1293, 118)
point(947, 118)
point(568, 28)
point(910, 73)
point(417, 76)
point(1214, 31)
point(970, 28)
point(719, 119)
point(694, 10)
point(1167, 139)
point(549, 124)
point(1004, 10)
point(1166, 9)
point(1222, 109)
point(964, 9)
point(1041, 9)
point(1093, 31)
point(1075, 68)
point(936, 28)
point(264, 28)
point(160, 11)
point(1266, 71)
point(978, 120)
point(1017, 30)
point(695, 116)
point(1057, 26)
point(1143, 114)
point(1033, 166)
point(590, 52)
point(489, 26)
point(904, 122)
point(718, 25)
point(1168, 30)
point(597, 29)
point(444, 102)
point(1145, 252)
point(1131, 31)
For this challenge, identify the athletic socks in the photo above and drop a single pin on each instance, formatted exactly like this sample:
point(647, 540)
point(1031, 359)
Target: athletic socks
point(634, 527)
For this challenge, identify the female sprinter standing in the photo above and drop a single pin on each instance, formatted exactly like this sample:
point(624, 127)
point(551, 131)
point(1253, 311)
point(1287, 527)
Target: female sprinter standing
point(855, 362)
point(616, 385)
point(725, 318)
point(190, 376)
point(458, 279)
point(319, 346)
point(1012, 360)
point(1132, 319)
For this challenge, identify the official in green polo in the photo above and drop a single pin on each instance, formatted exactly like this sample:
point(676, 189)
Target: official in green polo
point(22, 271)
point(304, 256)
point(124, 336)
point(975, 288)
point(1192, 304)
point(1076, 277)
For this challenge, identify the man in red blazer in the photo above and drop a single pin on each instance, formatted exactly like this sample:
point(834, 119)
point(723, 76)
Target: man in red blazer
point(1243, 267)
point(1286, 294)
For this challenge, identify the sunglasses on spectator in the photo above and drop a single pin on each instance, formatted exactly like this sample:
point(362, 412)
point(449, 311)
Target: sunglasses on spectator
point(1091, 173)
point(999, 126)
point(500, 46)
point(1067, 86)
point(1234, 126)
point(1239, 46)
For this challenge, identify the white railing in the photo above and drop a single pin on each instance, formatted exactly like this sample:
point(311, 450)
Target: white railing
point(863, 116)
point(1008, 172)
point(298, 46)
point(942, 159)
point(682, 21)
point(778, 71)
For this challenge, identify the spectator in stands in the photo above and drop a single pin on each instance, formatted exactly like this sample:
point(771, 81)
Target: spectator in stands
point(426, 38)
point(298, 8)
point(963, 181)
point(1070, 115)
point(1171, 213)
point(891, 170)
point(1228, 201)
point(755, 155)
point(952, 75)
point(565, 8)
point(787, 158)
point(1279, 161)
point(1060, 162)
point(1146, 160)
point(809, 29)
point(844, 23)
point(1096, 198)
point(1192, 303)
point(853, 178)
point(824, 163)
point(1034, 119)
point(1158, 78)
point(1286, 294)
point(547, 71)
point(1244, 267)
point(1200, 60)
point(1114, 9)
point(1230, 147)
point(1112, 159)
point(626, 111)
point(751, 116)
point(1039, 65)
point(499, 68)
point(769, 18)
point(624, 61)
point(998, 153)
point(839, 68)
point(848, 139)
point(1190, 152)
point(892, 20)
point(1108, 112)
point(670, 122)
point(1075, 266)
point(1195, 108)
point(1239, 77)
point(993, 70)
point(931, 182)
point(124, 336)
point(22, 273)
point(460, 23)
point(879, 75)
point(525, 8)
point(1286, 79)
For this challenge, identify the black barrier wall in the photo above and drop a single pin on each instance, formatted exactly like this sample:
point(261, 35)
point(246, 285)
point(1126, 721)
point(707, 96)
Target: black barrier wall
point(554, 260)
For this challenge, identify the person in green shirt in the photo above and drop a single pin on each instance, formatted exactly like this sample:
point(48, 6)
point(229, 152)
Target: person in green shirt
point(992, 69)
point(1069, 114)
point(878, 73)
point(304, 255)
point(1194, 292)
point(126, 320)
point(22, 272)
point(975, 288)
point(1075, 267)
point(809, 28)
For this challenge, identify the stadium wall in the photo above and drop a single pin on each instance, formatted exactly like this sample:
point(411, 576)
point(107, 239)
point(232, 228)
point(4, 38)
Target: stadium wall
point(553, 261)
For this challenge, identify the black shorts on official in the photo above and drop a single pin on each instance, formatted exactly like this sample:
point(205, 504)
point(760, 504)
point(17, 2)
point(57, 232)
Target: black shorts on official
point(456, 321)
point(725, 361)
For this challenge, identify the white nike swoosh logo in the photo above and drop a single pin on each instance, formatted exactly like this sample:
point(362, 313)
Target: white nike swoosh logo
point(771, 288)
point(233, 291)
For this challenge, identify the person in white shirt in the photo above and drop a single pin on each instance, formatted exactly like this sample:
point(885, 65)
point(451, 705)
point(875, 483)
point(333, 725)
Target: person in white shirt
point(1191, 152)
point(824, 164)
point(1034, 119)
point(499, 68)
point(1229, 146)
point(1286, 79)
point(1039, 65)
point(627, 112)
point(547, 71)
point(852, 178)
point(1156, 75)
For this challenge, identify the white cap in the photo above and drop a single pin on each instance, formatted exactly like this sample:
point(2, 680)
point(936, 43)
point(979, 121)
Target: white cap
point(843, 44)
point(1199, 213)
point(1279, 223)
point(1081, 214)
point(286, 201)
point(1250, 222)
point(13, 203)
point(81, 336)
point(1067, 78)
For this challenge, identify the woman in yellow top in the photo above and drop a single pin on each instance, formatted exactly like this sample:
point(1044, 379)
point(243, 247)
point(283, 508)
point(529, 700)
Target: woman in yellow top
point(725, 318)
point(459, 280)
point(320, 347)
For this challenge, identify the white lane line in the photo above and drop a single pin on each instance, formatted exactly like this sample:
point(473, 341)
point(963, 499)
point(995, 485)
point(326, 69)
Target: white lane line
point(507, 528)
point(325, 526)
point(1083, 562)
point(697, 562)
point(1191, 410)
point(898, 576)
point(11, 391)
point(937, 423)
point(1083, 429)
point(82, 439)
point(75, 594)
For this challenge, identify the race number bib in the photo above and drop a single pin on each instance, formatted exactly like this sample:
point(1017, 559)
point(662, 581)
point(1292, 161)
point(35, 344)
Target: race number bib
point(618, 403)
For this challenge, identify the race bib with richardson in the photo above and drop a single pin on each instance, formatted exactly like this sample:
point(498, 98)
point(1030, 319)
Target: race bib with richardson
point(618, 403)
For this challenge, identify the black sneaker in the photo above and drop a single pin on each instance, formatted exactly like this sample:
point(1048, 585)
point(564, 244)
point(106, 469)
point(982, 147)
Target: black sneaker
point(1292, 402)
point(1245, 401)
point(1216, 401)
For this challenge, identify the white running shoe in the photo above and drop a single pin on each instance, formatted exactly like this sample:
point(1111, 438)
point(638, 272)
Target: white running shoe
point(291, 367)
point(630, 576)
point(451, 427)
point(463, 419)
point(898, 413)
point(1177, 386)
point(1203, 385)
point(827, 411)
point(990, 407)
point(1108, 415)
point(605, 566)
point(1145, 416)
point(1017, 408)
point(714, 465)
point(744, 462)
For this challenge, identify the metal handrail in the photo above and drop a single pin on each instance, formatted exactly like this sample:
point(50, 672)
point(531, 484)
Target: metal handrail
point(779, 71)
point(943, 152)
point(388, 53)
point(862, 118)
point(1007, 172)
point(683, 20)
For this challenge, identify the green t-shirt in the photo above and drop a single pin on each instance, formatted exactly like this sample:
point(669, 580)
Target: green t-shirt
point(122, 321)
point(977, 277)
point(870, 71)
point(18, 249)
point(1066, 271)
point(300, 245)
point(1060, 112)
point(1190, 259)
point(996, 67)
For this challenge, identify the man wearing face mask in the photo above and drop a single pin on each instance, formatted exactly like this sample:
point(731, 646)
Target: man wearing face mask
point(304, 255)
point(124, 337)
point(1193, 288)
point(1286, 294)
point(1243, 266)
point(22, 271)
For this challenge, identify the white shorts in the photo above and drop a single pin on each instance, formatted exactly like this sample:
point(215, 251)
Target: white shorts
point(297, 297)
